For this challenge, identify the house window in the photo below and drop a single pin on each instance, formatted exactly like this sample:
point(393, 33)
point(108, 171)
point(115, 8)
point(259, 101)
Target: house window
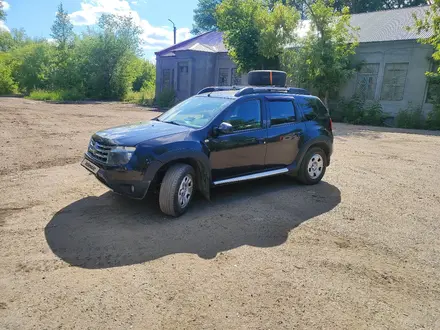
point(223, 77)
point(367, 80)
point(166, 79)
point(235, 77)
point(433, 88)
point(394, 80)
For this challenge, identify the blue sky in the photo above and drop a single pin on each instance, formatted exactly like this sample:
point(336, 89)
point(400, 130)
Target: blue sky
point(36, 17)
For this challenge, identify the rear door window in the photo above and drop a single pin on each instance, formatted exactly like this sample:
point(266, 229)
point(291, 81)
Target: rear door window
point(281, 112)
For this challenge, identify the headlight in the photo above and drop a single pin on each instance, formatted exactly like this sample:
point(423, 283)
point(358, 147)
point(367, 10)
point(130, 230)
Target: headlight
point(120, 155)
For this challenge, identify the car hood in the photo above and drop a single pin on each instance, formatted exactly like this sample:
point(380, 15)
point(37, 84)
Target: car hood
point(131, 135)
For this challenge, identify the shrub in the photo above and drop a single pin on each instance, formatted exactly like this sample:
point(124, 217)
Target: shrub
point(356, 111)
point(411, 117)
point(433, 118)
point(60, 96)
point(373, 114)
point(143, 97)
point(166, 99)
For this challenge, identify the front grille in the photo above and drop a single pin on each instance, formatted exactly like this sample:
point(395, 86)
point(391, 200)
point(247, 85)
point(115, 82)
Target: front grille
point(98, 151)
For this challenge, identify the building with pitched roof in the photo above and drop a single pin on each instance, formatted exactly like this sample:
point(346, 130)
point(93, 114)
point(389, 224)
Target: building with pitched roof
point(392, 71)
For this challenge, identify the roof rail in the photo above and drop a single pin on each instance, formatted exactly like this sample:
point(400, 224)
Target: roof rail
point(271, 89)
point(211, 89)
point(246, 90)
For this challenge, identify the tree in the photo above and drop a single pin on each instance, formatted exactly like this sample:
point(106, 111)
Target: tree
point(144, 74)
point(254, 34)
point(7, 66)
point(431, 22)
point(35, 68)
point(321, 60)
point(62, 29)
point(6, 41)
point(103, 57)
point(2, 12)
point(204, 16)
point(62, 33)
point(205, 20)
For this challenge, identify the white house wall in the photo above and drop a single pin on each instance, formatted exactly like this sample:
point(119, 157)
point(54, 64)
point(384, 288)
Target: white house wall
point(396, 52)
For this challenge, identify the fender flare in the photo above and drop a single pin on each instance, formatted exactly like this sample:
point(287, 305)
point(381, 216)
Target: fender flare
point(318, 141)
point(195, 158)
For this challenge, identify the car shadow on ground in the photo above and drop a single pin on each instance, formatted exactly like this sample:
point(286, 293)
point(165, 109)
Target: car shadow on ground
point(111, 231)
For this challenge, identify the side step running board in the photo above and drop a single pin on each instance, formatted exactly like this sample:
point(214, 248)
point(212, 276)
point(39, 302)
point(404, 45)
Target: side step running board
point(251, 176)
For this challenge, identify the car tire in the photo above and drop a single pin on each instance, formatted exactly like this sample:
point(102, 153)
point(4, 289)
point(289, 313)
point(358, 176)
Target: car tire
point(177, 189)
point(313, 166)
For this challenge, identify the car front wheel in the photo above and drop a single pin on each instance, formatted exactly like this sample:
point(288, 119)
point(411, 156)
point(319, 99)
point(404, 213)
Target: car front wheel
point(177, 189)
point(313, 166)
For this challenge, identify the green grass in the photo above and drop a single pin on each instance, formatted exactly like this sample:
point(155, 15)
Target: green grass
point(59, 96)
point(144, 97)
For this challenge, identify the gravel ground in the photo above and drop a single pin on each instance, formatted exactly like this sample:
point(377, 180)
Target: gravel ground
point(358, 251)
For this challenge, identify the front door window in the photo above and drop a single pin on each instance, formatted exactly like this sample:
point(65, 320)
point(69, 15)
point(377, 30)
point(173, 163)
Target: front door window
point(246, 115)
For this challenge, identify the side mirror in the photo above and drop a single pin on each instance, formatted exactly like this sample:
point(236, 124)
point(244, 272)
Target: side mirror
point(224, 128)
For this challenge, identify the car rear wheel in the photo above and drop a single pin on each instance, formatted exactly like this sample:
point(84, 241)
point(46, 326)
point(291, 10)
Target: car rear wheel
point(177, 189)
point(313, 166)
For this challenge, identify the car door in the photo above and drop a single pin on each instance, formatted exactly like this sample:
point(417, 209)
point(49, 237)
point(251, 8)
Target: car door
point(243, 150)
point(285, 131)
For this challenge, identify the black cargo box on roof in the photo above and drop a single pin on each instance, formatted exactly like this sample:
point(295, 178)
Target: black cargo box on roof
point(267, 78)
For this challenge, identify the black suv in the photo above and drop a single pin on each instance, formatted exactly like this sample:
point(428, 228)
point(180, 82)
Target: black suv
point(220, 136)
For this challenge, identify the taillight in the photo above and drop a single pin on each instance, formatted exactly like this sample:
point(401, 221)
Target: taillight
point(331, 125)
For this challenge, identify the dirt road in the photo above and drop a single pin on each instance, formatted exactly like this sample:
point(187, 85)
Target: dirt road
point(358, 251)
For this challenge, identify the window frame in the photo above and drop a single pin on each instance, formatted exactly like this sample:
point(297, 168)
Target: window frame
point(225, 70)
point(236, 75)
point(404, 83)
point(231, 107)
point(375, 76)
point(269, 111)
point(163, 79)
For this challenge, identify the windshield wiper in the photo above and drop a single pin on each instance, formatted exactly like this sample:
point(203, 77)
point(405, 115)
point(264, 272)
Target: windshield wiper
point(173, 122)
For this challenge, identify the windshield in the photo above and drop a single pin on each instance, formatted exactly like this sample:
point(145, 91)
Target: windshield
point(196, 111)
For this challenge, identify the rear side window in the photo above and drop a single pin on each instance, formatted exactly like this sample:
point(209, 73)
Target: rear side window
point(246, 115)
point(312, 108)
point(281, 112)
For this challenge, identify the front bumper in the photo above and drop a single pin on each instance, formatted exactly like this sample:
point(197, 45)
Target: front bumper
point(127, 182)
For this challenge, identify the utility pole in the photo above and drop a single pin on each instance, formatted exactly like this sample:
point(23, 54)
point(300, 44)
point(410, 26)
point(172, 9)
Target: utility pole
point(175, 30)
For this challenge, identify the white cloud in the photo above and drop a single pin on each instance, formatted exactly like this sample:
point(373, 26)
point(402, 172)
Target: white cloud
point(6, 6)
point(3, 26)
point(154, 38)
point(134, 3)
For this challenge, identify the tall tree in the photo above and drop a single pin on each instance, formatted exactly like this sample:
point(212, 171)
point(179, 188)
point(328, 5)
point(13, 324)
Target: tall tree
point(62, 33)
point(104, 57)
point(321, 60)
point(2, 12)
point(205, 20)
point(431, 22)
point(62, 29)
point(204, 16)
point(254, 34)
